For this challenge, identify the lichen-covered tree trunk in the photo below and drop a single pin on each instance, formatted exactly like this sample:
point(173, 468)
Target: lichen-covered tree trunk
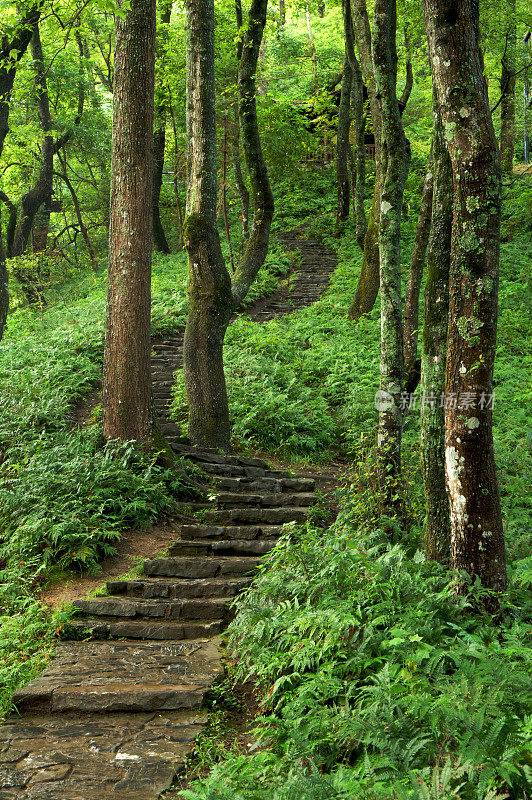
point(342, 134)
point(209, 283)
point(126, 376)
point(358, 174)
point(411, 315)
point(261, 193)
point(242, 189)
point(369, 281)
point(477, 540)
point(397, 165)
point(213, 296)
point(160, 241)
point(434, 351)
point(508, 67)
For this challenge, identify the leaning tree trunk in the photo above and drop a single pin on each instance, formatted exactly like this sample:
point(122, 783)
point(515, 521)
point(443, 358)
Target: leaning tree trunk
point(434, 351)
point(369, 281)
point(411, 316)
point(344, 124)
point(508, 67)
point(126, 377)
point(242, 189)
point(398, 160)
point(477, 540)
point(358, 175)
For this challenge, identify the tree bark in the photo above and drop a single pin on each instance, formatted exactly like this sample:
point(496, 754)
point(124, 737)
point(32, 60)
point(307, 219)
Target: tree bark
point(126, 377)
point(159, 141)
point(282, 12)
point(242, 189)
point(368, 284)
point(508, 67)
point(358, 174)
point(477, 540)
point(344, 122)
point(209, 283)
point(263, 203)
point(313, 52)
point(4, 284)
point(397, 164)
point(213, 296)
point(411, 316)
point(434, 351)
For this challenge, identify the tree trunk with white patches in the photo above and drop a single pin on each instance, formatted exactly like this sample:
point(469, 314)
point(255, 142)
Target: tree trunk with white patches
point(397, 165)
point(434, 351)
point(477, 540)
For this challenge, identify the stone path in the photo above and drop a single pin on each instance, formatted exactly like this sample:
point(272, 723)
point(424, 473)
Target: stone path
point(115, 714)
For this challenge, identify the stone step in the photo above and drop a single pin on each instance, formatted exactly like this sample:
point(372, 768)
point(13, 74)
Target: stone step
point(175, 609)
point(265, 485)
point(146, 629)
point(270, 516)
point(279, 499)
point(150, 588)
point(182, 567)
point(247, 532)
point(124, 756)
point(223, 547)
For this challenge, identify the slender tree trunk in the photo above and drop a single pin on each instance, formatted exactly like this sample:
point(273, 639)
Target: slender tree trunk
point(126, 377)
point(508, 68)
point(313, 52)
point(213, 296)
point(4, 284)
point(159, 137)
point(344, 123)
point(434, 351)
point(224, 199)
point(477, 540)
point(237, 161)
point(398, 161)
point(411, 316)
point(368, 284)
point(358, 175)
point(282, 12)
point(77, 209)
point(209, 283)
point(409, 80)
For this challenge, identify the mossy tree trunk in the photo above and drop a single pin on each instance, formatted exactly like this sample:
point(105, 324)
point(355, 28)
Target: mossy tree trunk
point(213, 296)
point(415, 275)
point(4, 284)
point(160, 241)
point(508, 67)
point(477, 540)
point(344, 122)
point(369, 281)
point(242, 189)
point(397, 165)
point(358, 174)
point(434, 351)
point(126, 376)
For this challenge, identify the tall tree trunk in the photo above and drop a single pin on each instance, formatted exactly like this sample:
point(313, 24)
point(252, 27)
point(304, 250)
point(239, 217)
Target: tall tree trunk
point(209, 283)
point(159, 137)
point(11, 51)
point(358, 174)
point(397, 164)
point(508, 67)
point(369, 281)
point(4, 284)
point(237, 161)
point(213, 296)
point(126, 377)
point(344, 122)
point(409, 77)
point(282, 12)
point(477, 540)
point(313, 52)
point(411, 316)
point(434, 351)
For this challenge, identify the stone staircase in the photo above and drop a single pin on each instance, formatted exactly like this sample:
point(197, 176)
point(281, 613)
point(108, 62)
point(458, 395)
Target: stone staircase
point(115, 713)
point(117, 710)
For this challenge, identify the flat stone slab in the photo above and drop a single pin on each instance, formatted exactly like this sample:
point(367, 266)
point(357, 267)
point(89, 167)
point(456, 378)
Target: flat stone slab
point(123, 676)
point(95, 757)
